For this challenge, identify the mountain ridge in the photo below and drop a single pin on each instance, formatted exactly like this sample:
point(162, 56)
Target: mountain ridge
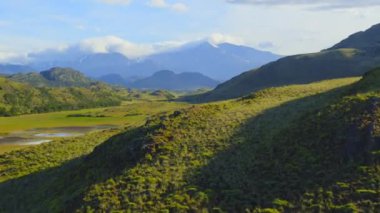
point(216, 61)
point(169, 80)
point(305, 68)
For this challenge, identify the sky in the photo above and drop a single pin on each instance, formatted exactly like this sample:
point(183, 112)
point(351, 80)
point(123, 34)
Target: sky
point(140, 27)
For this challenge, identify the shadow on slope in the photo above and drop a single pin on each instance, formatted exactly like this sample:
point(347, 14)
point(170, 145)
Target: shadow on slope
point(326, 159)
point(192, 162)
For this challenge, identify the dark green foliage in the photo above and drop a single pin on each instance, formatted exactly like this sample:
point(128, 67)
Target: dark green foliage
point(305, 148)
point(55, 77)
point(17, 98)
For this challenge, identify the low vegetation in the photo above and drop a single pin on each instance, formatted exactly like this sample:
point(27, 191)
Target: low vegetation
point(280, 149)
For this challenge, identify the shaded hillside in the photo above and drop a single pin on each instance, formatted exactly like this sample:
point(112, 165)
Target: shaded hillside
point(352, 57)
point(113, 79)
point(368, 41)
point(302, 148)
point(169, 80)
point(55, 77)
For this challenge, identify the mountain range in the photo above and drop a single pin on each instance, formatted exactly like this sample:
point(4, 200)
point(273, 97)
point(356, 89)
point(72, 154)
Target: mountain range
point(161, 80)
point(220, 62)
point(13, 68)
point(353, 56)
point(165, 79)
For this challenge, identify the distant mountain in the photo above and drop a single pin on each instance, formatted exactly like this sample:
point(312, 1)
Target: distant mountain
point(217, 61)
point(12, 68)
point(220, 62)
point(56, 77)
point(169, 80)
point(96, 64)
point(351, 57)
point(114, 79)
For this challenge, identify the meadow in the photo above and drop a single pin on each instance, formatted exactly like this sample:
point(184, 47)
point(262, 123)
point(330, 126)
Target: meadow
point(130, 113)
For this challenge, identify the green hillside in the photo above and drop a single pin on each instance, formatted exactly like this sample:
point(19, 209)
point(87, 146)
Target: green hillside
point(18, 98)
point(302, 148)
point(62, 89)
point(351, 57)
point(55, 77)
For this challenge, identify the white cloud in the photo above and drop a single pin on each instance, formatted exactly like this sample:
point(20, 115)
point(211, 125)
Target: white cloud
point(319, 4)
point(294, 30)
point(116, 1)
point(14, 58)
point(157, 3)
point(115, 44)
point(107, 44)
point(112, 44)
point(218, 38)
point(179, 7)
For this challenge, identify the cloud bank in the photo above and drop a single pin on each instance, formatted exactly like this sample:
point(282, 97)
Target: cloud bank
point(320, 4)
point(114, 44)
point(218, 38)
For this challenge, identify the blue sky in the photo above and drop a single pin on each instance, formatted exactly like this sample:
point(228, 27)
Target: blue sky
point(139, 26)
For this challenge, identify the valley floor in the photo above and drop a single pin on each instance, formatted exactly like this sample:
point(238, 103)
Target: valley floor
point(130, 113)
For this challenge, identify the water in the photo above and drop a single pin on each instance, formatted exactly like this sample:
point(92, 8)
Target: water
point(36, 142)
point(55, 135)
point(45, 135)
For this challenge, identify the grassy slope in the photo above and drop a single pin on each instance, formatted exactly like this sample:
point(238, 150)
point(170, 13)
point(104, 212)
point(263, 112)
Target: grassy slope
point(9, 148)
point(284, 148)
